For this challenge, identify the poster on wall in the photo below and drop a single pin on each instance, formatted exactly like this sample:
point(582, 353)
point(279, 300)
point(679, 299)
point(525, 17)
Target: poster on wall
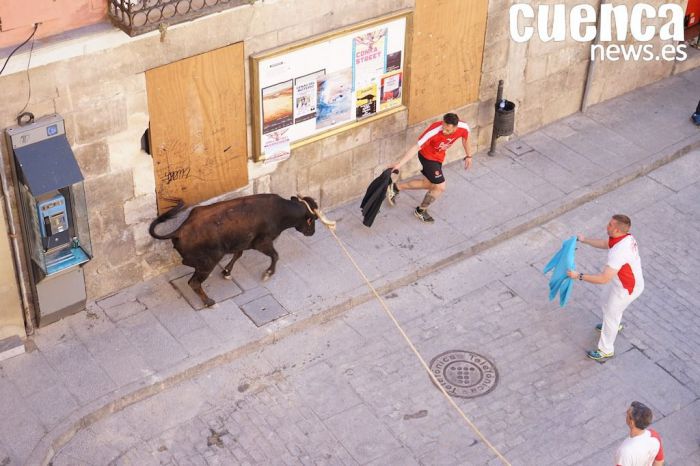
point(278, 106)
point(393, 61)
point(334, 98)
point(391, 90)
point(305, 92)
point(327, 82)
point(369, 56)
point(366, 101)
point(276, 146)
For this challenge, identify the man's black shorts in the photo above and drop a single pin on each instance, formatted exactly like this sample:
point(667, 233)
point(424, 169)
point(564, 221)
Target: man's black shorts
point(432, 170)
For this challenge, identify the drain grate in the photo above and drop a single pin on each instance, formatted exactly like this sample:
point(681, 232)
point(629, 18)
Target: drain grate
point(464, 374)
point(264, 310)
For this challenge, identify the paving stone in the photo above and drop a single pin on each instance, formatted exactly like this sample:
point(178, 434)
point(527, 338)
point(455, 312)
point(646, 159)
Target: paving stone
point(229, 323)
point(124, 310)
point(52, 404)
point(78, 371)
point(216, 287)
point(669, 396)
point(324, 391)
point(361, 434)
point(264, 310)
point(120, 358)
point(154, 343)
point(20, 428)
point(29, 372)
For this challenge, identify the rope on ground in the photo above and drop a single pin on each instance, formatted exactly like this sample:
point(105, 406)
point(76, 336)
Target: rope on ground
point(415, 351)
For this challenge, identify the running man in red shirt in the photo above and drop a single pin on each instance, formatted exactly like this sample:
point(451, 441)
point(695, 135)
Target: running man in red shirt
point(431, 148)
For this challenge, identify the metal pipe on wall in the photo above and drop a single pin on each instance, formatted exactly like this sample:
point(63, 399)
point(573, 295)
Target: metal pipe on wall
point(591, 63)
point(28, 323)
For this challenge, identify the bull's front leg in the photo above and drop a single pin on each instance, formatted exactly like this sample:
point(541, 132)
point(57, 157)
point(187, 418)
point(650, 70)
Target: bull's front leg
point(227, 270)
point(268, 249)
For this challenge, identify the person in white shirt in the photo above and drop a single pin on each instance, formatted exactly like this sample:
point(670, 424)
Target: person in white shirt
point(643, 447)
point(623, 270)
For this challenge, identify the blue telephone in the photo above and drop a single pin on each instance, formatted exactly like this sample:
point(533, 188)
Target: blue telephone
point(53, 221)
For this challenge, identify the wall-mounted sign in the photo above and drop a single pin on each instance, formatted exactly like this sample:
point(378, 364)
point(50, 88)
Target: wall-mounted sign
point(327, 82)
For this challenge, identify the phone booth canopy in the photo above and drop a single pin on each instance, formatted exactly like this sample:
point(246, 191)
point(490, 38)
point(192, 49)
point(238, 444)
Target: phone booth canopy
point(53, 209)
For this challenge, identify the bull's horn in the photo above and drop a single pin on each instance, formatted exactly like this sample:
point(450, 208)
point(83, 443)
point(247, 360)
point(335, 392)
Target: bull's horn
point(308, 207)
point(321, 217)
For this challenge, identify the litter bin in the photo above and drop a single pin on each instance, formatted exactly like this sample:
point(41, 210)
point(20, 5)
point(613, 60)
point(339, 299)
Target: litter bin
point(504, 121)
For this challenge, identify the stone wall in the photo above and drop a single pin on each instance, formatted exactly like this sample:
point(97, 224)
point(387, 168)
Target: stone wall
point(547, 79)
point(11, 319)
point(613, 78)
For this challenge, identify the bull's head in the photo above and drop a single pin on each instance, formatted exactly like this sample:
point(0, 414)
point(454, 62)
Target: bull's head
point(308, 225)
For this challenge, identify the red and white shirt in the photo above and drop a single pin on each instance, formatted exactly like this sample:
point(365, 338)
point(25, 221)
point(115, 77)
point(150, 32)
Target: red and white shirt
point(641, 450)
point(623, 257)
point(433, 142)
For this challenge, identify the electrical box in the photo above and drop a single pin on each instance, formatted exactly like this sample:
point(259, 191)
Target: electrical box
point(54, 217)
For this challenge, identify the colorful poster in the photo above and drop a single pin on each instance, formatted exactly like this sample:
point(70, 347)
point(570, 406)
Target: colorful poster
point(334, 98)
point(278, 106)
point(391, 90)
point(393, 61)
point(366, 101)
point(369, 56)
point(305, 96)
point(276, 146)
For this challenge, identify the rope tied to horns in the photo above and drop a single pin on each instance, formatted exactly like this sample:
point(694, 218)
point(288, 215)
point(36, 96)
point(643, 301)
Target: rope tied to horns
point(317, 213)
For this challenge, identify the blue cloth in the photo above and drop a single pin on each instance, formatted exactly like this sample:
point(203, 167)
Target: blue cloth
point(562, 262)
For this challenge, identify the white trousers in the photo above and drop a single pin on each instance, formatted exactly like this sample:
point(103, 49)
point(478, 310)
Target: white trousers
point(614, 305)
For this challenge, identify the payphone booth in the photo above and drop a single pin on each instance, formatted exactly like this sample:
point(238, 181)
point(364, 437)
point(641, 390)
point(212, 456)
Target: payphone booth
point(54, 215)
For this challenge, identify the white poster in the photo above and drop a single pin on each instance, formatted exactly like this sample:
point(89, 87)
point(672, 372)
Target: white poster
point(276, 146)
point(305, 96)
point(369, 56)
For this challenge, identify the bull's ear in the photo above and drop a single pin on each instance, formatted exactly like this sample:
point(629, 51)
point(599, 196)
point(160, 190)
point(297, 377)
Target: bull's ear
point(309, 220)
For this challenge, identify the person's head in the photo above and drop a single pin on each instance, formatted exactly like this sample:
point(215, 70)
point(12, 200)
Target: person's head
point(619, 225)
point(638, 415)
point(449, 123)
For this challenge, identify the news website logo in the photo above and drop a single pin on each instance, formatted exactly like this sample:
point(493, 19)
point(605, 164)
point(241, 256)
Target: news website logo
point(642, 23)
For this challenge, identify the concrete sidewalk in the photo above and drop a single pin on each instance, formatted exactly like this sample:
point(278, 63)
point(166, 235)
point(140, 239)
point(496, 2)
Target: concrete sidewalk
point(147, 338)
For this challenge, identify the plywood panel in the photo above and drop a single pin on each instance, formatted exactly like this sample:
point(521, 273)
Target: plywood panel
point(446, 54)
point(198, 126)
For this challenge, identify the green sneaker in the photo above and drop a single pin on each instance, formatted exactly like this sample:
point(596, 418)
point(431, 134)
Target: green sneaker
point(599, 356)
point(599, 327)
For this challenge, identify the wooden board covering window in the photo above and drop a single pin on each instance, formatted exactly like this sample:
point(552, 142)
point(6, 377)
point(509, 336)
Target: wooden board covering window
point(446, 55)
point(198, 127)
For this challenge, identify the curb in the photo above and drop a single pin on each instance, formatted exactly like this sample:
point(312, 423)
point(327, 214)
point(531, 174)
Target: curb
point(123, 397)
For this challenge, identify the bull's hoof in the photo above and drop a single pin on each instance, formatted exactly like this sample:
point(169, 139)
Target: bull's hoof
point(209, 303)
point(226, 275)
point(266, 276)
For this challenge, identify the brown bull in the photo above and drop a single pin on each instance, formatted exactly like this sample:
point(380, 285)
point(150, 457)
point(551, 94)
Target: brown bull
point(230, 227)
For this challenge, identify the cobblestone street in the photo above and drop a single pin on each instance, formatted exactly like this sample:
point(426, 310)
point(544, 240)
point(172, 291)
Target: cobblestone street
point(350, 391)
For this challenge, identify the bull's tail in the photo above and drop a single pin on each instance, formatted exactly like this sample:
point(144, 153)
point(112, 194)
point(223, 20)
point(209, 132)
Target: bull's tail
point(166, 216)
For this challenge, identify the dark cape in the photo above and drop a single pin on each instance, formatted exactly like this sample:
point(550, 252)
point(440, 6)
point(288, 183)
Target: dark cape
point(375, 195)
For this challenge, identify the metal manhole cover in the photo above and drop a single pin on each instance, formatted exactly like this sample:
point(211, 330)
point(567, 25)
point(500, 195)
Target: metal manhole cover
point(464, 374)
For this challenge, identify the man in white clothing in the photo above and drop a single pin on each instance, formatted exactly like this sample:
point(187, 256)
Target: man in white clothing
point(624, 270)
point(643, 447)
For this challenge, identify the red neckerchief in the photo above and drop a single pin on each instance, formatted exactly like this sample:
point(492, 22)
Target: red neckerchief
point(613, 241)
